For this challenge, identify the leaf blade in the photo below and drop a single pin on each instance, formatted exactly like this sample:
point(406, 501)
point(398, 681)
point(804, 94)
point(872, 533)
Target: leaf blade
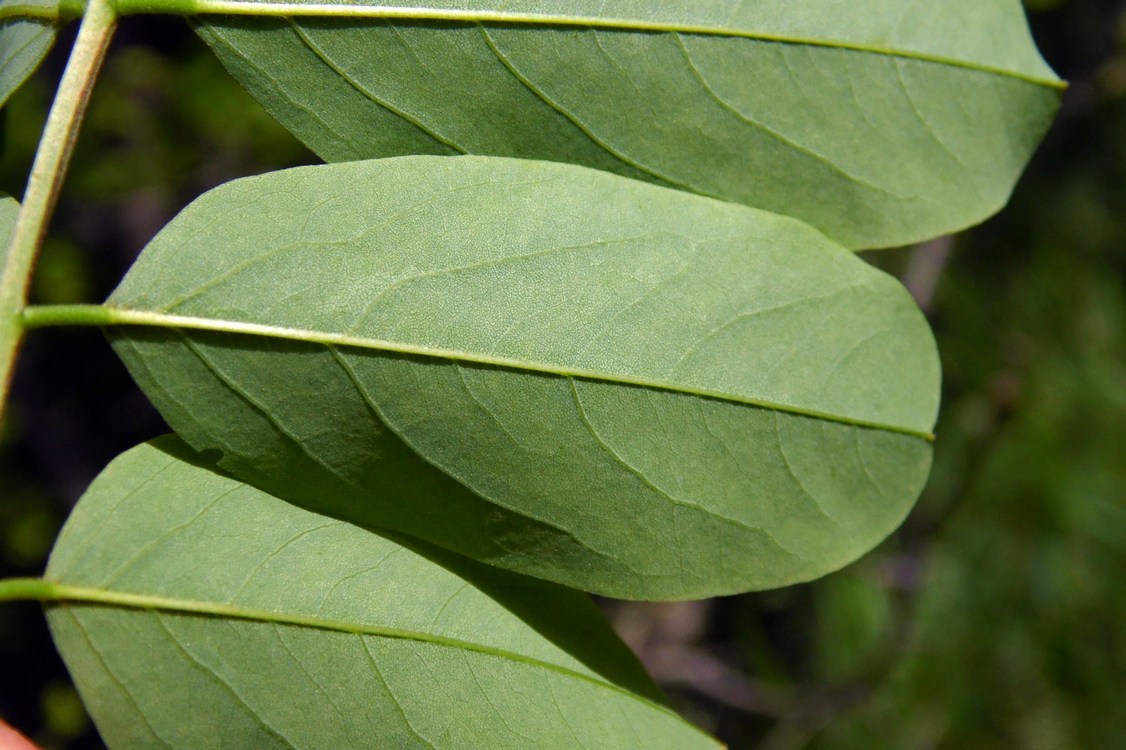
point(999, 41)
point(840, 106)
point(27, 32)
point(292, 611)
point(665, 300)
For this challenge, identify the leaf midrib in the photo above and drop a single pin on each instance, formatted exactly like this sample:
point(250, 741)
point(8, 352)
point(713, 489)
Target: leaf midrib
point(29, 10)
point(343, 10)
point(106, 315)
point(50, 592)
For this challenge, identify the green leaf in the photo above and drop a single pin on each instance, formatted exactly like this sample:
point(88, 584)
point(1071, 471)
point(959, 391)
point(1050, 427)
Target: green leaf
point(880, 127)
point(627, 389)
point(195, 611)
point(27, 32)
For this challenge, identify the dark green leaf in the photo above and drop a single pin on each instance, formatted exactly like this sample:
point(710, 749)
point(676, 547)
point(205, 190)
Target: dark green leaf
point(195, 611)
point(627, 389)
point(880, 127)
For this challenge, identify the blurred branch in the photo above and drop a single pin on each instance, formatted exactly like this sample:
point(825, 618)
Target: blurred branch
point(925, 267)
point(814, 714)
point(699, 670)
point(666, 638)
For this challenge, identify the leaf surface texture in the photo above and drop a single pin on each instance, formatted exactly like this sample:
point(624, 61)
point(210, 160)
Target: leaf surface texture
point(24, 41)
point(627, 389)
point(205, 613)
point(880, 128)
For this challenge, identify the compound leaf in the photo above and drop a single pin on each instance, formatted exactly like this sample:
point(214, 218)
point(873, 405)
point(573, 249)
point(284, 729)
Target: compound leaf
point(881, 127)
point(624, 388)
point(195, 611)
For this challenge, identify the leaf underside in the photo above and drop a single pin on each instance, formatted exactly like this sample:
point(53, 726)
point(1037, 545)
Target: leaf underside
point(626, 389)
point(878, 131)
point(24, 43)
point(215, 615)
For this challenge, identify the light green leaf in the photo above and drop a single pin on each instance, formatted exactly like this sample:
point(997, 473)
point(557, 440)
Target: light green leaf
point(27, 33)
point(880, 126)
point(194, 611)
point(628, 389)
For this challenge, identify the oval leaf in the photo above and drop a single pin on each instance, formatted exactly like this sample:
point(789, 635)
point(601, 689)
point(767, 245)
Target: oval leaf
point(27, 32)
point(195, 611)
point(628, 389)
point(880, 124)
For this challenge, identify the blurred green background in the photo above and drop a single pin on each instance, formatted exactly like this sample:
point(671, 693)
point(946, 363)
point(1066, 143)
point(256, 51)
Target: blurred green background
point(995, 618)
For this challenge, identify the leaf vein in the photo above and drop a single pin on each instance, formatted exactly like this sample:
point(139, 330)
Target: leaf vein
point(116, 680)
point(583, 127)
point(391, 694)
point(264, 412)
point(265, 560)
point(222, 682)
point(771, 132)
point(371, 95)
point(664, 493)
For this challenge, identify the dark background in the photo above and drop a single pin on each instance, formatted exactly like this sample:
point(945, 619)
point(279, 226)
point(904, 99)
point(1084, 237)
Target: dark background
point(995, 618)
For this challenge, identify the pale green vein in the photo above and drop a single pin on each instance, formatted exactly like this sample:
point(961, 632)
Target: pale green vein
point(106, 518)
point(370, 95)
point(375, 670)
point(801, 484)
point(113, 677)
point(262, 410)
point(51, 593)
point(310, 112)
point(675, 502)
point(152, 544)
point(42, 11)
point(277, 551)
point(377, 414)
point(13, 54)
point(634, 471)
point(222, 682)
point(726, 106)
point(104, 315)
point(346, 10)
point(321, 689)
point(574, 120)
point(566, 721)
point(487, 696)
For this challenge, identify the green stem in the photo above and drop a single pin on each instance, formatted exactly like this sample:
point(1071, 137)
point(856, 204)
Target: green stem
point(47, 172)
point(25, 589)
point(48, 316)
point(42, 11)
point(37, 589)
